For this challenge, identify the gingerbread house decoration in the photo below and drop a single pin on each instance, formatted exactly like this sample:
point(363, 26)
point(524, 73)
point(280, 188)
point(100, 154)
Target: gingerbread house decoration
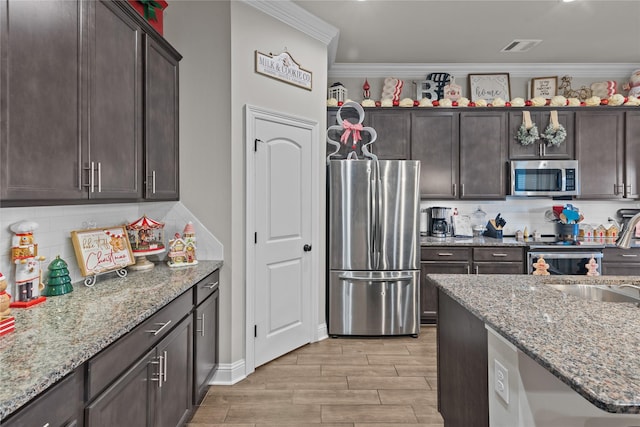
point(182, 249)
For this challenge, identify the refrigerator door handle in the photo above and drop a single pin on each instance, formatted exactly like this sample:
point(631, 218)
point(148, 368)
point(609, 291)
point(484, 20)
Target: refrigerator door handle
point(366, 278)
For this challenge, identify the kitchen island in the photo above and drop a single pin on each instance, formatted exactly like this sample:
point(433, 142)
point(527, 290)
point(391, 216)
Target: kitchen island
point(592, 347)
point(55, 338)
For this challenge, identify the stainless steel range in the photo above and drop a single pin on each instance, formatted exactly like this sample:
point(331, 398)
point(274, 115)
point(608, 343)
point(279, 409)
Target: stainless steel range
point(565, 257)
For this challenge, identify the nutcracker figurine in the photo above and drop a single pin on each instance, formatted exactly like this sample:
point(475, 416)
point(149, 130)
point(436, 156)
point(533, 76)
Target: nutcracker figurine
point(7, 321)
point(24, 254)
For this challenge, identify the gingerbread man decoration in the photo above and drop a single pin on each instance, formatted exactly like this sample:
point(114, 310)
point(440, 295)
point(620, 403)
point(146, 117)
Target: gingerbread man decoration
point(540, 267)
point(592, 267)
point(352, 130)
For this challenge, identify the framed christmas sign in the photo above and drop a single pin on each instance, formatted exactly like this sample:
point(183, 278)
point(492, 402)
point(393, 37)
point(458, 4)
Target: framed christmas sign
point(545, 87)
point(489, 86)
point(100, 250)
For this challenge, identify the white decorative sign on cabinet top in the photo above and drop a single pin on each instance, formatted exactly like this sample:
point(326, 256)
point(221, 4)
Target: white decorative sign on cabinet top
point(283, 67)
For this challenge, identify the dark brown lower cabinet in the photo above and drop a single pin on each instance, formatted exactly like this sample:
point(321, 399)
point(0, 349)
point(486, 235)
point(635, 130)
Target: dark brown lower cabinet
point(61, 405)
point(155, 391)
point(463, 370)
point(621, 262)
point(205, 345)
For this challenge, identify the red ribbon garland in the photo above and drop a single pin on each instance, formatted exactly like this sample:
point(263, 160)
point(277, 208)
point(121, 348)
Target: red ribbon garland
point(348, 128)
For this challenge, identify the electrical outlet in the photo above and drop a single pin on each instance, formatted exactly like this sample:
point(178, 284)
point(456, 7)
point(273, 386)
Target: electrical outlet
point(501, 381)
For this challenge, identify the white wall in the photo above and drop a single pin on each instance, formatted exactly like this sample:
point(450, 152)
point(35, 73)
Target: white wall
point(218, 40)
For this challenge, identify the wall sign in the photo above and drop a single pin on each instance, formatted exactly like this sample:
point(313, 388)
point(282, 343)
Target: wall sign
point(100, 250)
point(545, 87)
point(489, 86)
point(282, 67)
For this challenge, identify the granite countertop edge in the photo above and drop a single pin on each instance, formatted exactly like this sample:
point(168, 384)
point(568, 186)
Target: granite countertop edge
point(54, 338)
point(539, 314)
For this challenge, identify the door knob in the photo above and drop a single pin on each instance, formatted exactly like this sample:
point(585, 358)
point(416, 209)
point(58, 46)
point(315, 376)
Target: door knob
point(307, 248)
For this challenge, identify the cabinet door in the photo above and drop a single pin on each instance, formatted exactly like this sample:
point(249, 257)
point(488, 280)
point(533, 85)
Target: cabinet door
point(463, 386)
point(599, 150)
point(174, 390)
point(130, 400)
point(115, 103)
point(434, 141)
point(483, 155)
point(40, 115)
point(632, 155)
point(205, 345)
point(394, 129)
point(161, 121)
point(539, 149)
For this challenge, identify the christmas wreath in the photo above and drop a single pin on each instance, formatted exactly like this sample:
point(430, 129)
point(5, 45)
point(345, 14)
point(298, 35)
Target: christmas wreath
point(554, 135)
point(528, 131)
point(527, 136)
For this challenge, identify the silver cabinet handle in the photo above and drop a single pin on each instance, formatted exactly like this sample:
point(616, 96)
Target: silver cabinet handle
point(461, 190)
point(627, 190)
point(153, 182)
point(157, 331)
point(445, 254)
point(499, 255)
point(201, 330)
point(455, 190)
point(92, 177)
point(210, 285)
point(468, 269)
point(164, 370)
point(158, 375)
point(540, 150)
point(477, 268)
point(99, 177)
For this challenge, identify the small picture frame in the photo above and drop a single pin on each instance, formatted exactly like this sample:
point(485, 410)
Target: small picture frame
point(544, 87)
point(489, 86)
point(100, 250)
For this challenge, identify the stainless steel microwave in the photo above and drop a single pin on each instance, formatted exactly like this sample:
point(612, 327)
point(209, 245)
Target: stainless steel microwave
point(545, 178)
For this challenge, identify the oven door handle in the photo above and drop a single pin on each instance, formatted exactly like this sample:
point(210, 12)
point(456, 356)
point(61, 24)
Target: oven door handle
point(565, 255)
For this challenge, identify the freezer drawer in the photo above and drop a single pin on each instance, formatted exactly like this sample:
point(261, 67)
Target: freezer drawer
point(374, 303)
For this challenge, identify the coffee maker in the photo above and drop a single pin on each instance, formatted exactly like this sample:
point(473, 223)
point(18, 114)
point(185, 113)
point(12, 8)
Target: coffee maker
point(440, 222)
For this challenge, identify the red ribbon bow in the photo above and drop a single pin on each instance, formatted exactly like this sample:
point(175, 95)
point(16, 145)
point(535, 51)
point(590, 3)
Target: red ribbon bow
point(348, 128)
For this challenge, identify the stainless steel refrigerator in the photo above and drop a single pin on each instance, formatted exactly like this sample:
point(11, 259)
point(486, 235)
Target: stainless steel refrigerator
point(373, 230)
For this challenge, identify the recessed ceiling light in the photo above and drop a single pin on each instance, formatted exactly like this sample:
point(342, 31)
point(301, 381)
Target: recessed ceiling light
point(567, 1)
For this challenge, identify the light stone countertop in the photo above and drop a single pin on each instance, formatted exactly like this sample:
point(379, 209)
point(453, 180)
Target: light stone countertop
point(469, 241)
point(53, 338)
point(592, 346)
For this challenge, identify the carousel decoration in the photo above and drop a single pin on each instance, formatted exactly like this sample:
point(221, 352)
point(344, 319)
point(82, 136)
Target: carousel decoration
point(147, 238)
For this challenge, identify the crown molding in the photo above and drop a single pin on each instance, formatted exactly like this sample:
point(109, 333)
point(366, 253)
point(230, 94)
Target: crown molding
point(303, 21)
point(462, 70)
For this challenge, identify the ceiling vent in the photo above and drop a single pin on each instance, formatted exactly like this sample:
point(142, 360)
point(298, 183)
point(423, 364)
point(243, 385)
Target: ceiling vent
point(521, 45)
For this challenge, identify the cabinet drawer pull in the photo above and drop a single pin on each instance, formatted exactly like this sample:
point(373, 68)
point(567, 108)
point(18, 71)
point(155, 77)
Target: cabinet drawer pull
point(92, 180)
point(201, 330)
point(158, 375)
point(164, 369)
point(468, 269)
point(477, 268)
point(630, 255)
point(499, 255)
point(445, 254)
point(153, 182)
point(157, 331)
point(210, 285)
point(99, 177)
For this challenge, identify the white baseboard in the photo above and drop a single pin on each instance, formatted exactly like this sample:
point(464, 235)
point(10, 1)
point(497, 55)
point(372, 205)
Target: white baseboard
point(229, 373)
point(323, 332)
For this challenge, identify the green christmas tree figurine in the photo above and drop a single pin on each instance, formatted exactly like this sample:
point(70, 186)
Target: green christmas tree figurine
point(59, 282)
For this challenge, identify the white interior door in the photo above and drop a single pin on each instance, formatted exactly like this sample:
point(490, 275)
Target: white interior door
point(282, 212)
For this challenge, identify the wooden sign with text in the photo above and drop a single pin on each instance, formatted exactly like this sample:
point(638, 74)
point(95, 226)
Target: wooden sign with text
point(100, 250)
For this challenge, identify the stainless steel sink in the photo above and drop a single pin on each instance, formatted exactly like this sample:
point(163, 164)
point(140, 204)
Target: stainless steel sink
point(605, 293)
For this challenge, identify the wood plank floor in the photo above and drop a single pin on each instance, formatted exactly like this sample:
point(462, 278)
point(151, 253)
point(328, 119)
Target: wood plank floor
point(341, 382)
